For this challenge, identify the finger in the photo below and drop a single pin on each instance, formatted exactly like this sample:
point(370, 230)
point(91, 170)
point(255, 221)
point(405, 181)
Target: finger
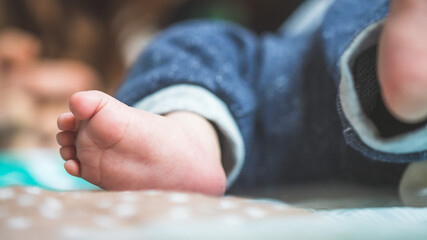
point(67, 122)
point(68, 152)
point(72, 167)
point(66, 138)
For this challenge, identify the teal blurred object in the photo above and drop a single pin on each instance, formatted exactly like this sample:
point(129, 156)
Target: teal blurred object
point(13, 172)
point(38, 167)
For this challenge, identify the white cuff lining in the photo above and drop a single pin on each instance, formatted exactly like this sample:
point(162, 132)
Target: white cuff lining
point(410, 142)
point(192, 98)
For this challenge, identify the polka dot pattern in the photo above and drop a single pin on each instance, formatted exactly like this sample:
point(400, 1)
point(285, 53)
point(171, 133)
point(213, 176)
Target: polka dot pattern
point(33, 212)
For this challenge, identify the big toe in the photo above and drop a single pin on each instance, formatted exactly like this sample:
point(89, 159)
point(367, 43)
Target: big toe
point(84, 105)
point(104, 118)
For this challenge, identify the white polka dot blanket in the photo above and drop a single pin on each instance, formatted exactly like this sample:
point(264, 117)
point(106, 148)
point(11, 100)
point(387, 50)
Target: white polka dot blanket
point(33, 213)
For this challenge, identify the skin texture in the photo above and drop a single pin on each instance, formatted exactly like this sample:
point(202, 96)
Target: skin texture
point(117, 147)
point(403, 60)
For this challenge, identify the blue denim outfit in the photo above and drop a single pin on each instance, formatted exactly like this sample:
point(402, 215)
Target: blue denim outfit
point(283, 91)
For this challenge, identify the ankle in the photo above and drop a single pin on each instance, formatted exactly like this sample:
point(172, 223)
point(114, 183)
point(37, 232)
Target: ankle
point(209, 177)
point(200, 128)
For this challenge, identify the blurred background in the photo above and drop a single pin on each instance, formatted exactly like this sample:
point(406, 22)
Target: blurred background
point(50, 49)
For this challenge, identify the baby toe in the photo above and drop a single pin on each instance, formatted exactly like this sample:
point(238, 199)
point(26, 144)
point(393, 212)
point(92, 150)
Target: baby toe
point(68, 152)
point(72, 167)
point(67, 122)
point(66, 138)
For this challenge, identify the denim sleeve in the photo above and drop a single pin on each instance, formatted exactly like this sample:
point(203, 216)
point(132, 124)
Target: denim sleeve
point(216, 56)
point(368, 126)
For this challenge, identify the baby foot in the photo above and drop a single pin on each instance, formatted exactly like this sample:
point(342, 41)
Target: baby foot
point(402, 64)
point(117, 147)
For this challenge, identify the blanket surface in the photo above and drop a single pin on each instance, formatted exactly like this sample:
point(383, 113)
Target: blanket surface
point(38, 200)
